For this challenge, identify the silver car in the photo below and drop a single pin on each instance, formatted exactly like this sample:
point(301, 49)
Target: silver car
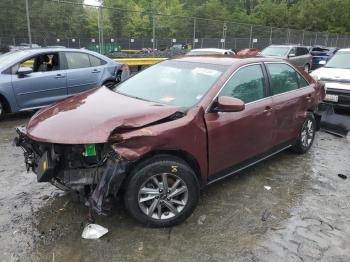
point(298, 55)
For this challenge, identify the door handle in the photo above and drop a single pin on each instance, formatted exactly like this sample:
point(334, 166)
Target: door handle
point(267, 109)
point(59, 76)
point(95, 71)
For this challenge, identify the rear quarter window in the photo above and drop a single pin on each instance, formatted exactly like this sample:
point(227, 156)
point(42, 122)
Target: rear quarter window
point(284, 78)
point(95, 61)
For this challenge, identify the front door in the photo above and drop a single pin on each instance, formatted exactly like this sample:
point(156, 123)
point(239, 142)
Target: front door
point(45, 85)
point(236, 137)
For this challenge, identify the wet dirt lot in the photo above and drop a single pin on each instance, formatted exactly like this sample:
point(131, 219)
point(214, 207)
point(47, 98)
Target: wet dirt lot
point(305, 216)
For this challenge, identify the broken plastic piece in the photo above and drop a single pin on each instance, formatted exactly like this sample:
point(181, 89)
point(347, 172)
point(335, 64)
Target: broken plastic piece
point(342, 176)
point(94, 231)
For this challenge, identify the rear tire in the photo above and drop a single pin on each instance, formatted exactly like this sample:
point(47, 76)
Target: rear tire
point(306, 136)
point(162, 192)
point(2, 109)
point(109, 84)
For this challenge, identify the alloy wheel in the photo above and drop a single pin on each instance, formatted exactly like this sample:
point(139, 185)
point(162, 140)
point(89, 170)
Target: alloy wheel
point(163, 196)
point(307, 134)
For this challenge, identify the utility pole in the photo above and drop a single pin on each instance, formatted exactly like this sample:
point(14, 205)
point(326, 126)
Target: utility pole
point(100, 28)
point(28, 25)
point(271, 31)
point(153, 27)
point(194, 32)
point(224, 30)
point(251, 36)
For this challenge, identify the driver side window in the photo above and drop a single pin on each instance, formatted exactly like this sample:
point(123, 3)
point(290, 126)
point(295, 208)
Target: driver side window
point(40, 63)
point(247, 84)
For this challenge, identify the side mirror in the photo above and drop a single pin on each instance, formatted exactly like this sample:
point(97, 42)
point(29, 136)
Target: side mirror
point(24, 71)
point(291, 55)
point(229, 104)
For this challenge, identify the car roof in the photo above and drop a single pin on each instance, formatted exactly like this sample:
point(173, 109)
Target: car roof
point(344, 50)
point(53, 49)
point(211, 49)
point(288, 46)
point(223, 60)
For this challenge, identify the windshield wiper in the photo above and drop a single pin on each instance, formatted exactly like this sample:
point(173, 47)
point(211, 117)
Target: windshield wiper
point(136, 97)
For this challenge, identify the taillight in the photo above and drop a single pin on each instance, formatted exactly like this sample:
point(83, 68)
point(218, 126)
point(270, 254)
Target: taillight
point(124, 68)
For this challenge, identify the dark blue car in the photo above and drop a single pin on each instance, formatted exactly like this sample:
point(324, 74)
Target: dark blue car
point(35, 78)
point(320, 55)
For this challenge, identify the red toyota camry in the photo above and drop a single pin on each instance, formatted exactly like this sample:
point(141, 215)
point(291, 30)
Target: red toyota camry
point(165, 133)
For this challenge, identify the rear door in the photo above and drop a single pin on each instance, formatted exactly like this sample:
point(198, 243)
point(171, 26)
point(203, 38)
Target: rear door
point(292, 95)
point(295, 57)
point(45, 85)
point(305, 56)
point(82, 72)
point(234, 137)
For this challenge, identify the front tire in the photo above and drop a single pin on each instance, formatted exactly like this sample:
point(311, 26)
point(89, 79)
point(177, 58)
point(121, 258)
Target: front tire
point(2, 109)
point(306, 136)
point(162, 192)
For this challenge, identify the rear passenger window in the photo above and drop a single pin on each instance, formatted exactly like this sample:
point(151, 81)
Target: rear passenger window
point(247, 84)
point(283, 78)
point(77, 60)
point(95, 61)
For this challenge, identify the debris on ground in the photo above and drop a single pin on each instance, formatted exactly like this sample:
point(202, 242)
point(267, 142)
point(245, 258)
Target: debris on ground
point(201, 219)
point(342, 176)
point(94, 231)
point(265, 215)
point(267, 187)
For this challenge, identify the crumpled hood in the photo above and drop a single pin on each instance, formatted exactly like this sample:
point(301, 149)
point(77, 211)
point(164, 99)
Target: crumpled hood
point(91, 117)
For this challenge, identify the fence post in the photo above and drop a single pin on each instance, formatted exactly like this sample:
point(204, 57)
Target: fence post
point(302, 40)
point(194, 32)
point(271, 36)
point(28, 25)
point(251, 36)
point(326, 40)
point(315, 39)
point(336, 41)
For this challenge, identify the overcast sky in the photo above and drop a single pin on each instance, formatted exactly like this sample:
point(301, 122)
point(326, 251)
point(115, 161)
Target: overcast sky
point(91, 2)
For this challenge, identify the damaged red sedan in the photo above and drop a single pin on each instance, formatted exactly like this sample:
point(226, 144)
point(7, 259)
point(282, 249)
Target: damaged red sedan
point(165, 133)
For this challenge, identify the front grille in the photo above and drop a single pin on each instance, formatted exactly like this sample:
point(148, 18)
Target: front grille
point(343, 95)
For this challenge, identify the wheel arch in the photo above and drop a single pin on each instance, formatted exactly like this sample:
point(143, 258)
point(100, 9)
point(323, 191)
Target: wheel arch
point(6, 104)
point(317, 117)
point(188, 158)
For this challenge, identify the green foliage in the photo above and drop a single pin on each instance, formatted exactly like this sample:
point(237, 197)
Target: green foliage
point(52, 19)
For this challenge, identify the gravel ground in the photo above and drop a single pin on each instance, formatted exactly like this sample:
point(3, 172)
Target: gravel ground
point(305, 216)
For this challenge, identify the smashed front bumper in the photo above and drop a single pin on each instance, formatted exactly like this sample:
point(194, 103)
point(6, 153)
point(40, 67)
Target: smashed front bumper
point(72, 167)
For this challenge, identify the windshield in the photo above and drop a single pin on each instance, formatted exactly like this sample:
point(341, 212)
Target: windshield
point(172, 83)
point(275, 51)
point(340, 60)
point(9, 58)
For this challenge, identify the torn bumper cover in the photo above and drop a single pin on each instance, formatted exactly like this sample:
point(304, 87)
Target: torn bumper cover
point(75, 167)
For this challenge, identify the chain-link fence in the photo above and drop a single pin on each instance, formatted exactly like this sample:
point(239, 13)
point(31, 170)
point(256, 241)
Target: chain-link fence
point(107, 29)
